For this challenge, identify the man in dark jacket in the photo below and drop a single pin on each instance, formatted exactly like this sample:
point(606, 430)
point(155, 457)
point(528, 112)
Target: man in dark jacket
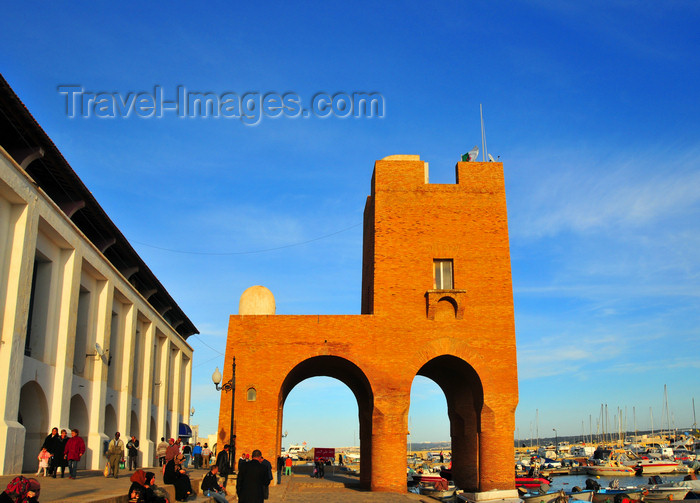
point(132, 447)
point(53, 444)
point(253, 480)
point(222, 461)
point(210, 486)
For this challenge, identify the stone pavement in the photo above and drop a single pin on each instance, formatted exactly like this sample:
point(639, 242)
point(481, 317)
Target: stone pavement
point(92, 486)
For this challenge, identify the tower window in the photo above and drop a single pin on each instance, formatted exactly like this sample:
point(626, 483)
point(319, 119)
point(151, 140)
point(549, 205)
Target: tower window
point(442, 274)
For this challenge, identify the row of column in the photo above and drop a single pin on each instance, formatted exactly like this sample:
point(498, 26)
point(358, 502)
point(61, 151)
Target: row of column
point(22, 210)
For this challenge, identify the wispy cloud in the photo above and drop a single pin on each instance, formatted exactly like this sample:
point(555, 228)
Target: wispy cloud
point(608, 196)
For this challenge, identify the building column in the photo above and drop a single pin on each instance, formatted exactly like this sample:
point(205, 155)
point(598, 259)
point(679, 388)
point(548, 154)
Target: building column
point(70, 264)
point(464, 432)
point(20, 249)
point(145, 444)
point(126, 362)
point(175, 390)
point(163, 390)
point(185, 406)
point(98, 396)
point(389, 430)
point(496, 449)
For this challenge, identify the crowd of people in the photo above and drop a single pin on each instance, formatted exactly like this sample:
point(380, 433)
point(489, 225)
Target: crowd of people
point(60, 452)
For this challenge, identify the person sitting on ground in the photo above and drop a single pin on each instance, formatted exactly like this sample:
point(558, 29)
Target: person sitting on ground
point(155, 494)
point(176, 475)
point(137, 491)
point(21, 490)
point(211, 487)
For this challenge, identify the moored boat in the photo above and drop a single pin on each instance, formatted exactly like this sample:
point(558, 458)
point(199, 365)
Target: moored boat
point(666, 493)
point(441, 490)
point(609, 495)
point(548, 497)
point(611, 468)
point(534, 482)
point(559, 496)
point(659, 491)
point(659, 467)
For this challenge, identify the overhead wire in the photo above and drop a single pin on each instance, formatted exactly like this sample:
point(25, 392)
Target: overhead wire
point(263, 250)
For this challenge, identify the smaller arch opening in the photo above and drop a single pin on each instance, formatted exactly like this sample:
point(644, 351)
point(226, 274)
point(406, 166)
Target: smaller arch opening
point(446, 309)
point(251, 394)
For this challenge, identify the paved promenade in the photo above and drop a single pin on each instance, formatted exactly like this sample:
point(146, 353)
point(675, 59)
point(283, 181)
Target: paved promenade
point(92, 486)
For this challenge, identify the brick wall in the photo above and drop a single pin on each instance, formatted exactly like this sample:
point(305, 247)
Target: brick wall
point(408, 223)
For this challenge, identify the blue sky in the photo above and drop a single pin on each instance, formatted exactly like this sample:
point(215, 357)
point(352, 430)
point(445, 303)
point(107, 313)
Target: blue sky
point(592, 106)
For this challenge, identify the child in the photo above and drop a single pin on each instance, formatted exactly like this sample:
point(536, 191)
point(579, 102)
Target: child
point(43, 457)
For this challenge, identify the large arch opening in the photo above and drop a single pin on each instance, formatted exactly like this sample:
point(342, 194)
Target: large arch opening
point(464, 395)
point(428, 422)
point(349, 374)
point(34, 416)
point(78, 419)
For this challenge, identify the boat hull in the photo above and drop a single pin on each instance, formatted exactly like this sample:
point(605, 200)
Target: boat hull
point(662, 494)
point(608, 495)
point(660, 468)
point(557, 497)
point(531, 482)
point(611, 471)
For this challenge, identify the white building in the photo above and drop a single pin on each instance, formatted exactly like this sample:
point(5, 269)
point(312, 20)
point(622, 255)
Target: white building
point(90, 338)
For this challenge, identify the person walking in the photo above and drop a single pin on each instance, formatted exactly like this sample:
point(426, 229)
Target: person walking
point(61, 454)
point(187, 452)
point(222, 461)
point(44, 457)
point(280, 467)
point(52, 443)
point(197, 454)
point(206, 455)
point(210, 486)
point(288, 466)
point(161, 450)
point(75, 448)
point(253, 480)
point(115, 453)
point(133, 447)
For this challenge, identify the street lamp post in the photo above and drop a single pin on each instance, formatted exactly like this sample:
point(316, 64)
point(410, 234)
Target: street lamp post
point(229, 385)
point(556, 441)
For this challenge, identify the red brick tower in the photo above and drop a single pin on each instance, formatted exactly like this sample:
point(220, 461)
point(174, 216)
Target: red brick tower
point(437, 301)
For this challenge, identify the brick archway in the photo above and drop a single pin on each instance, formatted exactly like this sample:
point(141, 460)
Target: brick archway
point(465, 399)
point(437, 300)
point(352, 376)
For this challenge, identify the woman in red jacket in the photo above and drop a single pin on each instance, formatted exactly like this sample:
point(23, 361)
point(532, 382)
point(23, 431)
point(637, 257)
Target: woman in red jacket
point(75, 448)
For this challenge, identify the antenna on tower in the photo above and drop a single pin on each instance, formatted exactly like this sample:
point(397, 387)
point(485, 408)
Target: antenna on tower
point(484, 153)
